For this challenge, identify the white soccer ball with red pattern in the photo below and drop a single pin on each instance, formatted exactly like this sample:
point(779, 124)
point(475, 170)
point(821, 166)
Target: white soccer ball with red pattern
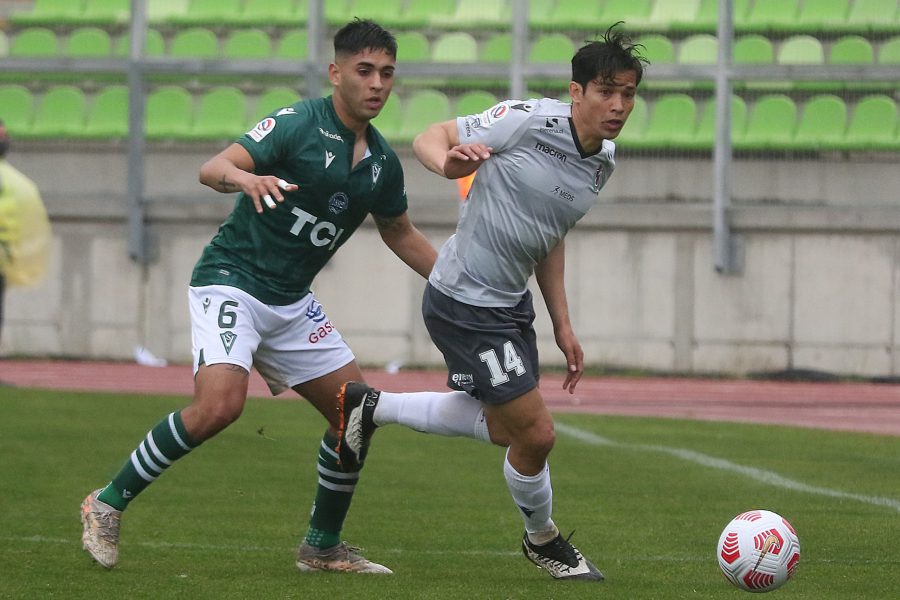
point(758, 551)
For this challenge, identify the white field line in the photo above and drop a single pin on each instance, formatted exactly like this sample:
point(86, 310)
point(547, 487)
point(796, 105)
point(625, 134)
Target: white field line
point(761, 475)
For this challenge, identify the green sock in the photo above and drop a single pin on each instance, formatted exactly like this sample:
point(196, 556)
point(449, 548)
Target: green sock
point(333, 497)
point(162, 446)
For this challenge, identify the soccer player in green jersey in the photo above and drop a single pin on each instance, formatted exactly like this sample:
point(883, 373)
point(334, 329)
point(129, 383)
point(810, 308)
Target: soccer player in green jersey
point(307, 176)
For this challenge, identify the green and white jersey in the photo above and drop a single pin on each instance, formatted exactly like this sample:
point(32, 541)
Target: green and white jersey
point(535, 186)
point(274, 256)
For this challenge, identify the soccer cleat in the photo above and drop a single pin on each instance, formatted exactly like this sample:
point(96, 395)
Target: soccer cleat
point(356, 406)
point(340, 557)
point(561, 559)
point(101, 530)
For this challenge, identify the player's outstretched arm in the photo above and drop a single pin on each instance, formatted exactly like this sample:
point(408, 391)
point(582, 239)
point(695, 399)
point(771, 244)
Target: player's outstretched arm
point(439, 150)
point(231, 170)
point(401, 236)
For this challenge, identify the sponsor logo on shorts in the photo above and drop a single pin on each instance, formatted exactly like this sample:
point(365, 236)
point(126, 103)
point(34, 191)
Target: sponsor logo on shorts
point(315, 313)
point(462, 379)
point(262, 129)
point(321, 332)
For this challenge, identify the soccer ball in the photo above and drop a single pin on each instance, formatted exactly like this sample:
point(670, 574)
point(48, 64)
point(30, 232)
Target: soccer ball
point(758, 551)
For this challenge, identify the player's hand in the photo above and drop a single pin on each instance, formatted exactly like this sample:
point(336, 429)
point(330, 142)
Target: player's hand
point(267, 189)
point(465, 159)
point(571, 348)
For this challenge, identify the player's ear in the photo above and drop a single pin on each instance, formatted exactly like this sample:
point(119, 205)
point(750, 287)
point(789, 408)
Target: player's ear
point(575, 91)
point(334, 74)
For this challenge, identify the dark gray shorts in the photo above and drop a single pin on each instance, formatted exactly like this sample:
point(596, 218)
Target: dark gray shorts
point(491, 353)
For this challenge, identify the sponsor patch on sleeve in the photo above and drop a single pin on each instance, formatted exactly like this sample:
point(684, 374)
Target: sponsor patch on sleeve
point(262, 129)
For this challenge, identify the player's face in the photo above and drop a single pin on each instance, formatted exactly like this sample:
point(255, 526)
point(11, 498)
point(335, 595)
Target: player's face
point(362, 83)
point(601, 108)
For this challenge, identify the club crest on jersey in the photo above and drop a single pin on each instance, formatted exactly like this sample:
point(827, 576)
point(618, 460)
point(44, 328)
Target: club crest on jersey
point(338, 203)
point(376, 171)
point(228, 338)
point(597, 183)
point(262, 129)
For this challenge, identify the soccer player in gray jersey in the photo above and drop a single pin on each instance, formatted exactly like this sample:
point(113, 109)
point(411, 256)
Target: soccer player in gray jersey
point(541, 164)
point(319, 168)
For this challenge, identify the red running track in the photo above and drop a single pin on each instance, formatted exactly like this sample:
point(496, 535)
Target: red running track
point(861, 407)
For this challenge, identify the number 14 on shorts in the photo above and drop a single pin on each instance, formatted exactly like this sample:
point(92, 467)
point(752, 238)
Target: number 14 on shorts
point(511, 362)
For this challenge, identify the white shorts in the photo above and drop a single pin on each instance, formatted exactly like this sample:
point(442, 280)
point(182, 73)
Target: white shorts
point(288, 345)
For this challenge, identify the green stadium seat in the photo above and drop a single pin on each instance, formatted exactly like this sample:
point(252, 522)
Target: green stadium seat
point(497, 49)
point(635, 13)
point(539, 13)
point(770, 124)
point(454, 47)
point(820, 16)
point(873, 125)
point(154, 44)
point(705, 134)
point(105, 13)
point(50, 13)
point(273, 99)
point(221, 115)
point(673, 120)
point(634, 127)
point(551, 48)
point(873, 16)
point(572, 14)
point(385, 12)
point(473, 14)
point(851, 50)
point(272, 13)
point(59, 114)
point(206, 12)
point(195, 42)
point(161, 12)
point(753, 49)
point(337, 12)
point(417, 14)
point(247, 44)
point(676, 15)
point(168, 113)
point(89, 42)
point(801, 49)
point(35, 42)
point(389, 120)
point(699, 49)
point(769, 16)
point(821, 125)
point(889, 52)
point(421, 109)
point(412, 47)
point(474, 102)
point(107, 117)
point(707, 19)
point(657, 48)
point(293, 45)
point(17, 105)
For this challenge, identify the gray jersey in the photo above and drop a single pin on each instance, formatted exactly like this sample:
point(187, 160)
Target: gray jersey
point(537, 184)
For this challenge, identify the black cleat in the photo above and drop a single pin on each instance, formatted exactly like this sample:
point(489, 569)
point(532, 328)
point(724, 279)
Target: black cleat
point(561, 559)
point(356, 405)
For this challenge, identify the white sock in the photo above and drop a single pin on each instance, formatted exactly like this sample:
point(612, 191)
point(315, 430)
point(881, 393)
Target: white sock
point(533, 495)
point(443, 413)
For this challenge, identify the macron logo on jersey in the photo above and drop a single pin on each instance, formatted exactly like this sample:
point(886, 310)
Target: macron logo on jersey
point(329, 156)
point(286, 111)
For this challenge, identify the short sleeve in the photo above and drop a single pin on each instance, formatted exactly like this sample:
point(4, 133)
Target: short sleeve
point(499, 126)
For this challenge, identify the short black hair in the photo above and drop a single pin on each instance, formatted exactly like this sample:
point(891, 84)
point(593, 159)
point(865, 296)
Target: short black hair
point(602, 59)
point(362, 34)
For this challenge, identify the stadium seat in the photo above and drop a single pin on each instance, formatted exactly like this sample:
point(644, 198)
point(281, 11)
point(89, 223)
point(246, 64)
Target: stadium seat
point(389, 120)
point(634, 127)
point(699, 49)
point(474, 102)
point(657, 48)
point(770, 124)
point(418, 13)
point(454, 47)
point(753, 49)
point(293, 45)
point(385, 12)
point(889, 52)
point(473, 14)
point(707, 19)
point(539, 13)
point(221, 115)
point(18, 108)
point(272, 13)
point(273, 99)
point(873, 125)
point(802, 49)
point(769, 16)
point(676, 15)
point(206, 12)
point(821, 125)
point(107, 117)
point(154, 44)
point(851, 50)
point(195, 42)
point(59, 114)
point(822, 16)
point(673, 120)
point(421, 109)
point(247, 44)
point(105, 13)
point(873, 16)
point(89, 42)
point(35, 42)
point(50, 13)
point(337, 12)
point(635, 13)
point(166, 11)
point(497, 48)
point(168, 113)
point(572, 14)
point(552, 48)
point(705, 134)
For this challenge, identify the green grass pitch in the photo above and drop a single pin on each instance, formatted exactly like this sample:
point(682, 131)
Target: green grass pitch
point(647, 499)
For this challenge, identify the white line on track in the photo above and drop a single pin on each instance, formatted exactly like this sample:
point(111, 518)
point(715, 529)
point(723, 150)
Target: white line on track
point(761, 475)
